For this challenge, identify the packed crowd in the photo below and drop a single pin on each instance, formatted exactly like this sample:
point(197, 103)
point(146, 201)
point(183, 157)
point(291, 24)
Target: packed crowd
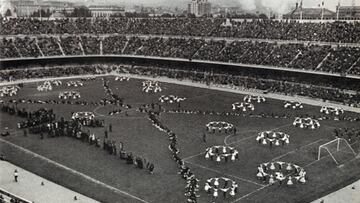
point(302, 56)
point(55, 71)
point(6, 197)
point(247, 82)
point(214, 27)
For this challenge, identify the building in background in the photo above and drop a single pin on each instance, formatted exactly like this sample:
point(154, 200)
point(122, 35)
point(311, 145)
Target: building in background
point(348, 12)
point(57, 6)
point(199, 7)
point(25, 7)
point(106, 10)
point(7, 9)
point(301, 13)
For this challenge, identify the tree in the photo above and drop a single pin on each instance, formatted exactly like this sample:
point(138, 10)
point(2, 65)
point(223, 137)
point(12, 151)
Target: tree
point(166, 15)
point(263, 16)
point(8, 13)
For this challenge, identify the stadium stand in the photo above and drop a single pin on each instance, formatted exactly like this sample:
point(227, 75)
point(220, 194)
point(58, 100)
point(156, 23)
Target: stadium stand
point(260, 29)
point(313, 57)
point(7, 197)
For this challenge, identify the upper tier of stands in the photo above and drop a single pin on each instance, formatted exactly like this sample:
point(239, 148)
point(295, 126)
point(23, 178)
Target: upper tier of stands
point(205, 27)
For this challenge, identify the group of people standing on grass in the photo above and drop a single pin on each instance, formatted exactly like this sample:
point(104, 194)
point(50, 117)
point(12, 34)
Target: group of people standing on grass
point(74, 128)
point(115, 149)
point(33, 118)
point(192, 183)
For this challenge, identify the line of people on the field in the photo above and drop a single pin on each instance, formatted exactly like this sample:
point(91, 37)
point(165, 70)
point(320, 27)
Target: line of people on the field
point(192, 183)
point(115, 99)
point(118, 150)
point(102, 102)
point(351, 118)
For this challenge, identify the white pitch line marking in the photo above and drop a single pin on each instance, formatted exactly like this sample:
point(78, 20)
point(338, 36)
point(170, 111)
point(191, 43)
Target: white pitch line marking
point(250, 193)
point(189, 157)
point(219, 172)
point(74, 171)
point(296, 149)
point(246, 138)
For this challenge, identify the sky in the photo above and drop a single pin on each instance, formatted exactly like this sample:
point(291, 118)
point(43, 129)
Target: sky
point(331, 4)
point(278, 6)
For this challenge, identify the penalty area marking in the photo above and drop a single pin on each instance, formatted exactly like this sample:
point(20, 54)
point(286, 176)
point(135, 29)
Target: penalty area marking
point(296, 149)
point(73, 171)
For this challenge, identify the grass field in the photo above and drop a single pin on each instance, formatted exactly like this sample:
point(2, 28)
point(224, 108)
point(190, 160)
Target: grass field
point(118, 179)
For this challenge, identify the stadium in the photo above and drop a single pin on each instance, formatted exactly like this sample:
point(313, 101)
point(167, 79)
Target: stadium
point(181, 109)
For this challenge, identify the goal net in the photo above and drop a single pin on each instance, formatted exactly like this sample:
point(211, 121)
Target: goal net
point(338, 149)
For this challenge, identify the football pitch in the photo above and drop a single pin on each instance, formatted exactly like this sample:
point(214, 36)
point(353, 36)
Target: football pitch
point(93, 172)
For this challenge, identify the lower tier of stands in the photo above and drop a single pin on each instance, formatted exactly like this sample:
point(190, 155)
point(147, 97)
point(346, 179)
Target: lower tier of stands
point(317, 86)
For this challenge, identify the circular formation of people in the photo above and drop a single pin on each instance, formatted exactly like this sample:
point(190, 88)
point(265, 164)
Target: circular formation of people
point(227, 186)
point(220, 126)
point(9, 91)
point(171, 99)
point(331, 110)
point(270, 171)
point(243, 106)
point(273, 138)
point(306, 123)
point(251, 98)
point(83, 116)
point(281, 171)
point(151, 86)
point(293, 105)
point(219, 153)
point(122, 78)
point(69, 95)
point(48, 85)
point(74, 84)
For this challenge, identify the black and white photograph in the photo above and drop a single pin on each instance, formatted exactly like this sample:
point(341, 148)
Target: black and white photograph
point(171, 101)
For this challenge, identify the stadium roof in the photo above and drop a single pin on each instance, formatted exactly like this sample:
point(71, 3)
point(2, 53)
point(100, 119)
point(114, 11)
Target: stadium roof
point(310, 12)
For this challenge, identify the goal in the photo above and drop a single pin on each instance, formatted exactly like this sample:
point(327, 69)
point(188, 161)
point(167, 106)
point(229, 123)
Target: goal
point(338, 149)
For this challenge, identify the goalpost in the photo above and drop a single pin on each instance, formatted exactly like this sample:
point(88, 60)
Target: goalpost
point(336, 145)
